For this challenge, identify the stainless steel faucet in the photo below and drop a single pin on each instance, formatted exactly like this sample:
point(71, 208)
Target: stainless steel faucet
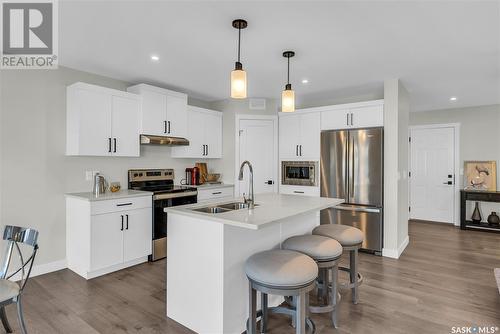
point(250, 200)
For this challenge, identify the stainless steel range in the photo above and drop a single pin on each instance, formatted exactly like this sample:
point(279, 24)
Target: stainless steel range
point(165, 194)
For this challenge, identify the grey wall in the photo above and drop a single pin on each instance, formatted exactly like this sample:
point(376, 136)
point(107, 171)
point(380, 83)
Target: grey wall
point(35, 173)
point(479, 130)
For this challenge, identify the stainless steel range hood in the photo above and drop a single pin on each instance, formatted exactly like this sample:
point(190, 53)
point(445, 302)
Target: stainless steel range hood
point(163, 140)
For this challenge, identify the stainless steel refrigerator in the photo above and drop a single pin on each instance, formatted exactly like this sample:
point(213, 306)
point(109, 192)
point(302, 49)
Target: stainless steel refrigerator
point(352, 169)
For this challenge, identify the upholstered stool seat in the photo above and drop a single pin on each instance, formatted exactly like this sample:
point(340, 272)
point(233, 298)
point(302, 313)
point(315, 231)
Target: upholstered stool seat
point(318, 247)
point(325, 251)
point(351, 239)
point(284, 273)
point(346, 235)
point(281, 268)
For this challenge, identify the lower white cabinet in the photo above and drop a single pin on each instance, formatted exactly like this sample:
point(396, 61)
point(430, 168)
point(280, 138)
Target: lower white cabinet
point(107, 235)
point(300, 190)
point(215, 193)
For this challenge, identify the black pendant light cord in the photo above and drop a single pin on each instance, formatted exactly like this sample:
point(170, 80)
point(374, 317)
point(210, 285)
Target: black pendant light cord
point(288, 72)
point(239, 43)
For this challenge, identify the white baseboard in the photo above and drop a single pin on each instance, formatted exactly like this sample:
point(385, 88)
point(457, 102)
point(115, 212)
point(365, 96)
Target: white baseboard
point(396, 253)
point(42, 269)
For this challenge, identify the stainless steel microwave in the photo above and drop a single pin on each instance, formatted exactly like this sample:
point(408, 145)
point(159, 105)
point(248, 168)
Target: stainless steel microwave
point(299, 173)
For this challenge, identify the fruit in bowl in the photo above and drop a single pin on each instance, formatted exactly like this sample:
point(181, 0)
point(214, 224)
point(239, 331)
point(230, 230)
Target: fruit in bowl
point(213, 177)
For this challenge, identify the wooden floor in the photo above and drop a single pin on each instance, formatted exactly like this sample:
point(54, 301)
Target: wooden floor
point(444, 279)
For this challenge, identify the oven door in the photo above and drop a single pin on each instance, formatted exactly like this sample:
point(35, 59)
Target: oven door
point(299, 173)
point(160, 221)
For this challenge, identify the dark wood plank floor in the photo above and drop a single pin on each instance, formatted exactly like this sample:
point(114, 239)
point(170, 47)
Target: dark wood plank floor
point(444, 279)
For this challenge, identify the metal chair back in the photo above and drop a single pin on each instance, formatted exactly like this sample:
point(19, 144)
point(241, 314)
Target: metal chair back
point(16, 235)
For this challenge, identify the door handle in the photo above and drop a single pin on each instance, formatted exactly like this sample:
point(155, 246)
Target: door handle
point(450, 183)
point(298, 192)
point(297, 150)
point(300, 150)
point(114, 142)
point(122, 223)
point(109, 145)
point(347, 119)
point(352, 118)
point(127, 222)
point(164, 126)
point(168, 122)
point(203, 150)
point(269, 182)
point(207, 149)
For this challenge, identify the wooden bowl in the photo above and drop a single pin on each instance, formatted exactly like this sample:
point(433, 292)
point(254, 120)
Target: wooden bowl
point(213, 177)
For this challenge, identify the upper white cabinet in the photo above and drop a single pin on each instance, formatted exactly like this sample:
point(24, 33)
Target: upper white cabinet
point(101, 121)
point(204, 134)
point(164, 112)
point(299, 135)
point(355, 115)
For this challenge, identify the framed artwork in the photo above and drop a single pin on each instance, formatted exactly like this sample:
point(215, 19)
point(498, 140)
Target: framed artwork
point(480, 175)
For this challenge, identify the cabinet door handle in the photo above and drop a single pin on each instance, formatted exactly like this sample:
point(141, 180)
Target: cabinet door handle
point(203, 150)
point(347, 119)
point(217, 193)
point(168, 122)
point(352, 119)
point(109, 145)
point(298, 192)
point(297, 150)
point(300, 150)
point(114, 142)
point(123, 204)
point(122, 223)
point(207, 150)
point(127, 222)
point(164, 126)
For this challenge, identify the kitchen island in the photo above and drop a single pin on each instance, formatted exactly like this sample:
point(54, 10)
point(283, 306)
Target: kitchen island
point(207, 289)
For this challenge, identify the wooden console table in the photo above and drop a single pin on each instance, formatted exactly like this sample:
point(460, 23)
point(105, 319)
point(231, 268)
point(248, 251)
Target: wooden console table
point(477, 196)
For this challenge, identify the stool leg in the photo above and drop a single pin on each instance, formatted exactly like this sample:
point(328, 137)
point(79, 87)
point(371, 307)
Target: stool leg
point(354, 274)
point(252, 310)
point(263, 319)
point(300, 328)
point(326, 284)
point(334, 295)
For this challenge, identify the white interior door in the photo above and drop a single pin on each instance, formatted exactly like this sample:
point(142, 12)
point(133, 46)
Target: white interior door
point(432, 174)
point(258, 145)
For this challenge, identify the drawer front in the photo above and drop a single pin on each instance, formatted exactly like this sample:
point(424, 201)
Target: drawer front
point(122, 204)
point(300, 190)
point(214, 193)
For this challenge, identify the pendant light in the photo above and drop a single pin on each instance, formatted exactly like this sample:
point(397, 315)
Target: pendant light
point(288, 95)
point(238, 76)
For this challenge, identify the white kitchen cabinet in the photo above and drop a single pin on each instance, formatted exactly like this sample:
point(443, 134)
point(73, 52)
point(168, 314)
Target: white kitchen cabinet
point(103, 236)
point(101, 121)
point(204, 134)
point(205, 195)
point(299, 136)
point(353, 116)
point(300, 190)
point(164, 112)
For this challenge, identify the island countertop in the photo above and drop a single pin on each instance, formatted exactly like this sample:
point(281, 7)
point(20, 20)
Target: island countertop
point(271, 208)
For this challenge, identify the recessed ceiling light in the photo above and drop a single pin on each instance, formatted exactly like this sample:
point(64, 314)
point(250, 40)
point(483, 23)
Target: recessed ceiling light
point(155, 58)
point(453, 98)
point(304, 81)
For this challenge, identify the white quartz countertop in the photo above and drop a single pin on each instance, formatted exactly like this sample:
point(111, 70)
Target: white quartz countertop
point(89, 196)
point(210, 186)
point(271, 208)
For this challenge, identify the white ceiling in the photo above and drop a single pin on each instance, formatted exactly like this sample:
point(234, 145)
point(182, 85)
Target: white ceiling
point(438, 49)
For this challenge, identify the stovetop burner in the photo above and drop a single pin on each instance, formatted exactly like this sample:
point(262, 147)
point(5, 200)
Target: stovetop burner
point(158, 181)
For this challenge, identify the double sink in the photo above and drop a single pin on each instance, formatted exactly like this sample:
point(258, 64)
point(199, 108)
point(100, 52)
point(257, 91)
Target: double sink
point(221, 208)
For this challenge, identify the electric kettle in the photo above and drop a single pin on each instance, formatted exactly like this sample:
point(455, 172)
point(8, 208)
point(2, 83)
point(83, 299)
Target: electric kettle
point(100, 185)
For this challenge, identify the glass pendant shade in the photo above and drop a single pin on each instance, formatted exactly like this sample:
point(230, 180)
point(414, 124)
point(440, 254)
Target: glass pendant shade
point(288, 100)
point(238, 84)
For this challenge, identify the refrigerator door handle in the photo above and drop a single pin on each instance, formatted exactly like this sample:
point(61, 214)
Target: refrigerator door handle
point(346, 186)
point(357, 208)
